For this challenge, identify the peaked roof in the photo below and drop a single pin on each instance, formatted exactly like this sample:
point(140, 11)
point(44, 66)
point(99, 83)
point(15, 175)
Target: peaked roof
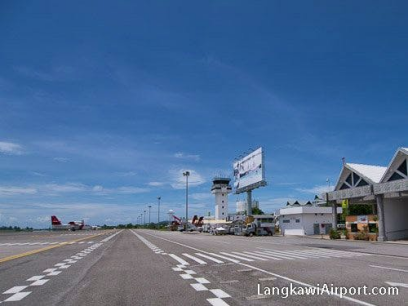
point(401, 152)
point(370, 172)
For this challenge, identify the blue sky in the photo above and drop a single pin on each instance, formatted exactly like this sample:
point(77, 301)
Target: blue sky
point(104, 104)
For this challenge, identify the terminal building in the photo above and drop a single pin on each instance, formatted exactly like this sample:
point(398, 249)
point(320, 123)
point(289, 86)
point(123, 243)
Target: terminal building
point(386, 188)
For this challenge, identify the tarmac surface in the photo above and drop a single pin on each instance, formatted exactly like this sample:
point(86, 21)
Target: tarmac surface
point(144, 267)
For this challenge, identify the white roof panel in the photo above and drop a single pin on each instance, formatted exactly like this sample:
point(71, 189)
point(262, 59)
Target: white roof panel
point(373, 173)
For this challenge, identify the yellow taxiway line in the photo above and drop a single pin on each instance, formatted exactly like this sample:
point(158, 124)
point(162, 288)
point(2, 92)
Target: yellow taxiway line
point(46, 248)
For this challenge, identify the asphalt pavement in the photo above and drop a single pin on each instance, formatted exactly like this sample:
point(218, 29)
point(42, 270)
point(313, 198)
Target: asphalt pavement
point(145, 267)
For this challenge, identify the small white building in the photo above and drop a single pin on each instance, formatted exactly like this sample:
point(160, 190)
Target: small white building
point(306, 220)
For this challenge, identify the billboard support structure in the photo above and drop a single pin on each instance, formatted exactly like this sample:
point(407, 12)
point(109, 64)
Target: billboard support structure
point(249, 202)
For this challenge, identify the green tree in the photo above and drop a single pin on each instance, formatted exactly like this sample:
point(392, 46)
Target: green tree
point(257, 211)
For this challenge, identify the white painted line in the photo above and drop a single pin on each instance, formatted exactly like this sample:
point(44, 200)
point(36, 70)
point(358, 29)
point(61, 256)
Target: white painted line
point(199, 287)
point(186, 276)
point(301, 254)
point(236, 256)
point(316, 254)
point(177, 269)
point(387, 268)
point(220, 293)
point(180, 260)
point(217, 302)
point(397, 284)
point(17, 297)
point(198, 260)
point(306, 285)
point(267, 272)
point(15, 289)
point(189, 272)
point(40, 282)
point(224, 257)
point(285, 254)
point(50, 270)
point(264, 255)
point(210, 258)
point(60, 264)
point(35, 278)
point(250, 256)
point(202, 280)
point(181, 266)
point(244, 270)
point(111, 236)
point(65, 267)
point(54, 273)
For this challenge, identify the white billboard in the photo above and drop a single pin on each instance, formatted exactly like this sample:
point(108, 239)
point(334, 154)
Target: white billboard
point(249, 171)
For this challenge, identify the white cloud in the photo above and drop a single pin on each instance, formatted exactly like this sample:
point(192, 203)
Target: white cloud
point(61, 159)
point(43, 219)
point(179, 180)
point(202, 196)
point(69, 187)
point(97, 188)
point(182, 155)
point(57, 189)
point(131, 190)
point(156, 184)
point(10, 148)
point(317, 190)
point(15, 191)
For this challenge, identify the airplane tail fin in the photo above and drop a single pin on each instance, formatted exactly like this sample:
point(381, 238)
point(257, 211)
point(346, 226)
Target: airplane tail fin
point(55, 221)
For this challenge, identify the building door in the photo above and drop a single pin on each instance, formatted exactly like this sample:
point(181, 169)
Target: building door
point(327, 228)
point(316, 229)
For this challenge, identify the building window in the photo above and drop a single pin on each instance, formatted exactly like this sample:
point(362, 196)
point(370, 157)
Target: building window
point(222, 213)
point(354, 228)
point(403, 168)
point(222, 201)
point(362, 183)
point(297, 220)
point(286, 221)
point(348, 180)
point(355, 178)
point(222, 206)
point(222, 194)
point(372, 228)
point(344, 186)
point(395, 177)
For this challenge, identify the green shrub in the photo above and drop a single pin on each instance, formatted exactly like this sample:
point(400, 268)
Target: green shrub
point(334, 234)
point(363, 235)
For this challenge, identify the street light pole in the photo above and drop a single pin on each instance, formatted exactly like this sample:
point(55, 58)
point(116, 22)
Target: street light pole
point(186, 174)
point(158, 210)
point(150, 206)
point(144, 217)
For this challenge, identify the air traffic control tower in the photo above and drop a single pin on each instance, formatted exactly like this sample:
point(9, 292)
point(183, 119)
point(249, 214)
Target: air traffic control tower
point(221, 188)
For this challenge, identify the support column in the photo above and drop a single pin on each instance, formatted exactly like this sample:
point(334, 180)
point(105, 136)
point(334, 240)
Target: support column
point(334, 215)
point(249, 202)
point(381, 222)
